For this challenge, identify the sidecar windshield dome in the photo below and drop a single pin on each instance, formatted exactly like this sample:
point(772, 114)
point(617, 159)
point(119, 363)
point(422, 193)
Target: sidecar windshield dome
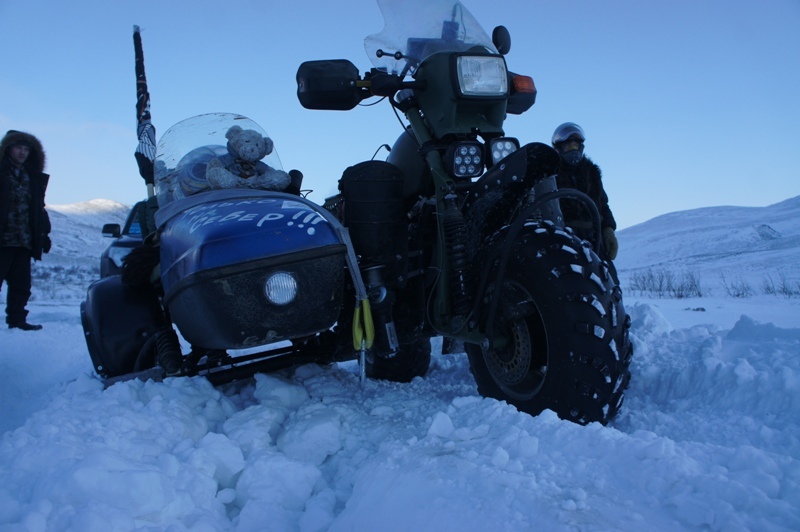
point(185, 149)
point(420, 28)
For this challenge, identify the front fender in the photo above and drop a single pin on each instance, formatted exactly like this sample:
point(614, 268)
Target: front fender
point(493, 201)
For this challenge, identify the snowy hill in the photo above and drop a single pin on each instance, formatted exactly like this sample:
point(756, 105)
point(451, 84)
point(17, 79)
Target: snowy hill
point(708, 437)
point(74, 261)
point(748, 243)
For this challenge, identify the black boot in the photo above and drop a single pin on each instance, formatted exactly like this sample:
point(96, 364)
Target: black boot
point(25, 326)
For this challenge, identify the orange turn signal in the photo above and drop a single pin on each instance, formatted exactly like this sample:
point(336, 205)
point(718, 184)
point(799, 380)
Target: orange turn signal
point(524, 84)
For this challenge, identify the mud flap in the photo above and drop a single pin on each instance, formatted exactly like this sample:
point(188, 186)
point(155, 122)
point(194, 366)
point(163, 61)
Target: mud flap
point(117, 321)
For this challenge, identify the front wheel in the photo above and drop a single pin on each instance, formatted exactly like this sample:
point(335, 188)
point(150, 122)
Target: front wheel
point(560, 331)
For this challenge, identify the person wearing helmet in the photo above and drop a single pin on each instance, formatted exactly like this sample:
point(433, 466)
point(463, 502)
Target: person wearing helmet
point(579, 172)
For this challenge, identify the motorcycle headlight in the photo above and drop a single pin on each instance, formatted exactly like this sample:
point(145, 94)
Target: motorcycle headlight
point(281, 288)
point(482, 75)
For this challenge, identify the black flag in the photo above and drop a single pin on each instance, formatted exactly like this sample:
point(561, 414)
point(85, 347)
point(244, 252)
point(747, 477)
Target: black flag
point(146, 150)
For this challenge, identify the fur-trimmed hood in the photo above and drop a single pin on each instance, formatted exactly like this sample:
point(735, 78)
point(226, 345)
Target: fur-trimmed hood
point(36, 159)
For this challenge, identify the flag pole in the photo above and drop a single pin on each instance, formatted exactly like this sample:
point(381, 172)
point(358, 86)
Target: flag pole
point(145, 131)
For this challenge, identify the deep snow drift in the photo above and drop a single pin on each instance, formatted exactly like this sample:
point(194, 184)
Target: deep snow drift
point(708, 438)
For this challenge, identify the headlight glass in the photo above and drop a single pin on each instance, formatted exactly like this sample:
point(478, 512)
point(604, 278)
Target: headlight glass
point(482, 75)
point(281, 288)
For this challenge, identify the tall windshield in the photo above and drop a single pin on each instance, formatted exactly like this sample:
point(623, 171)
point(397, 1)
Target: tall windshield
point(416, 29)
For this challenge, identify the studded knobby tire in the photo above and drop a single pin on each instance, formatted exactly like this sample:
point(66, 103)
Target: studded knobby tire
point(566, 346)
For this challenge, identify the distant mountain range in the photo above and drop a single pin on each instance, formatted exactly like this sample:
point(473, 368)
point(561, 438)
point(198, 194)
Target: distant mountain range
point(737, 242)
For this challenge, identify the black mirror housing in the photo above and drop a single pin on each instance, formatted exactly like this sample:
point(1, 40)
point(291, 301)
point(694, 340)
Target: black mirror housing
point(112, 230)
point(501, 39)
point(328, 85)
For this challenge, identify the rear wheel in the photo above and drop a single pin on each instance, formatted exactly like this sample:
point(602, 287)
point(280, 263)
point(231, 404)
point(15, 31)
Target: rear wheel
point(561, 332)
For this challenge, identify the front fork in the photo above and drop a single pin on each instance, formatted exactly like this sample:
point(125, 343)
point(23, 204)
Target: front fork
point(455, 291)
point(452, 291)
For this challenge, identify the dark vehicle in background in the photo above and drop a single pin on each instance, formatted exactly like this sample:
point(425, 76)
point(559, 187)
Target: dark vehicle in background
point(125, 238)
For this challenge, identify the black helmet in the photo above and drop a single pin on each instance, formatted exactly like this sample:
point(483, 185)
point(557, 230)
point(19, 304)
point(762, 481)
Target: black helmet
point(566, 130)
point(568, 141)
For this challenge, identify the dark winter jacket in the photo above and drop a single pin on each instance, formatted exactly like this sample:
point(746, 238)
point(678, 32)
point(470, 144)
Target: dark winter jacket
point(585, 177)
point(35, 164)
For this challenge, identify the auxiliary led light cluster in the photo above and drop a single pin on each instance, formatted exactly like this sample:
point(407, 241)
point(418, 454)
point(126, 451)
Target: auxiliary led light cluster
point(502, 148)
point(467, 159)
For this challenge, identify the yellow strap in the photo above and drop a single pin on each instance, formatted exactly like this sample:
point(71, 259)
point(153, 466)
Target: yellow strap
point(363, 332)
point(358, 332)
point(369, 327)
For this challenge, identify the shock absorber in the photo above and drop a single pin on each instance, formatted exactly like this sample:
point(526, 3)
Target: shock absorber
point(455, 231)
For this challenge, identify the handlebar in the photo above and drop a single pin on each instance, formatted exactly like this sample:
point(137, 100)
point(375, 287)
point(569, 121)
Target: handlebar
point(383, 84)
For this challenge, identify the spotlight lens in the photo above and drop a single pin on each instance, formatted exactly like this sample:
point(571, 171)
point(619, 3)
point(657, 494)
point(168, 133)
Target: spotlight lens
point(281, 288)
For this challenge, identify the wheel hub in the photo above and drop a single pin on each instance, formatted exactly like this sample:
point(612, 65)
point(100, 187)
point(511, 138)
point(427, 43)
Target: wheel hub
point(509, 365)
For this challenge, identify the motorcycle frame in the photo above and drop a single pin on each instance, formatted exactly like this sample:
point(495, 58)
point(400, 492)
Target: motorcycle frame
point(440, 66)
point(437, 72)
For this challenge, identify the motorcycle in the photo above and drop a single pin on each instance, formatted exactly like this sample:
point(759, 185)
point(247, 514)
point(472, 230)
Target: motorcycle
point(461, 226)
point(458, 233)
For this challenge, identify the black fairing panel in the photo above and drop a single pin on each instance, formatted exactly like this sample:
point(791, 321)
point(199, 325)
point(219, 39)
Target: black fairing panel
point(117, 321)
point(225, 308)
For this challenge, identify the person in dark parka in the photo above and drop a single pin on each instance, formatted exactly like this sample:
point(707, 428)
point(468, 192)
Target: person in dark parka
point(579, 172)
point(24, 222)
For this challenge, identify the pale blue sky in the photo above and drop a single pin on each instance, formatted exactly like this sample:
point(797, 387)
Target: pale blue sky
point(686, 103)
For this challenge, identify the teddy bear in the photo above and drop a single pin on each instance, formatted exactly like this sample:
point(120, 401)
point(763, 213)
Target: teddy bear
point(242, 167)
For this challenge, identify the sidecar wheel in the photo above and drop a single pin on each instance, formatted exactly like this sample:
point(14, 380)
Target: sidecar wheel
point(561, 332)
point(411, 360)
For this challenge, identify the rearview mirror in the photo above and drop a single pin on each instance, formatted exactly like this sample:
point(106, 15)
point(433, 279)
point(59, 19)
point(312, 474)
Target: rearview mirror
point(112, 230)
point(501, 40)
point(329, 85)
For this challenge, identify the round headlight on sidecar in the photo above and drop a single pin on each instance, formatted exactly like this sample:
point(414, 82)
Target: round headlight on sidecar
point(281, 288)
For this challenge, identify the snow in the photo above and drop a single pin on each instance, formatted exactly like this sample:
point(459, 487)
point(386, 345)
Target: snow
point(708, 437)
